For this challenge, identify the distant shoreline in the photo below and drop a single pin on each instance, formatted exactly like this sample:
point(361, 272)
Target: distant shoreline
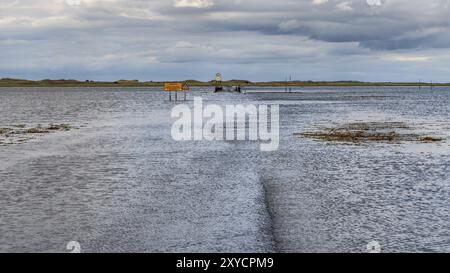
point(194, 83)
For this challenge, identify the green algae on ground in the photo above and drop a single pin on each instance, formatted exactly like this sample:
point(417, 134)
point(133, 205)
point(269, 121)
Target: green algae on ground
point(17, 134)
point(33, 131)
point(59, 127)
point(5, 130)
point(360, 132)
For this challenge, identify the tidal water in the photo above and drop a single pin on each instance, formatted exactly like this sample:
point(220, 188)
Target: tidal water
point(118, 182)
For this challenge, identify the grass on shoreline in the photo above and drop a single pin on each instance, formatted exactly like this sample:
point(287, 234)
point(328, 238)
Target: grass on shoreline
point(134, 83)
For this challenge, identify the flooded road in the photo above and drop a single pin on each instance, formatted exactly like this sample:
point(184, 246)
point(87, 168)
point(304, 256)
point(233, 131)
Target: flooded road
point(118, 182)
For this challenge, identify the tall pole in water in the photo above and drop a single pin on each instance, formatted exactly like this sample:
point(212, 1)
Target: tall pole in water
point(285, 85)
point(290, 82)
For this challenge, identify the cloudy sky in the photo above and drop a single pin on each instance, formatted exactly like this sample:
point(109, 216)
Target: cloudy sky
point(370, 40)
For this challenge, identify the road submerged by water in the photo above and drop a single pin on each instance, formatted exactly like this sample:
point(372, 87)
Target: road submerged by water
point(119, 183)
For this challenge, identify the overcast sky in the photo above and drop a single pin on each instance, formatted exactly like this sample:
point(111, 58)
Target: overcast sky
point(370, 40)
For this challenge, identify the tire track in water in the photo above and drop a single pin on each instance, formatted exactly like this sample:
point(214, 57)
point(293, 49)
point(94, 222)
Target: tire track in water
point(270, 225)
point(232, 174)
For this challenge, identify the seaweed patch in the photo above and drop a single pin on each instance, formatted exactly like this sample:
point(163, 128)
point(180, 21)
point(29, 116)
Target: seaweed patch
point(360, 132)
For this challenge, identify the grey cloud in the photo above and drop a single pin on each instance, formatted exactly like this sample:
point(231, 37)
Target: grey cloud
point(125, 37)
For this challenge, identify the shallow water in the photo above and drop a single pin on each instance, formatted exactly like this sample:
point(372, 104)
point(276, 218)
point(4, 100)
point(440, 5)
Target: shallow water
point(120, 183)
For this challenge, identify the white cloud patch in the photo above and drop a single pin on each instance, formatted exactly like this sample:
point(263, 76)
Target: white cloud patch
point(373, 3)
point(344, 6)
point(73, 2)
point(407, 58)
point(319, 2)
point(194, 3)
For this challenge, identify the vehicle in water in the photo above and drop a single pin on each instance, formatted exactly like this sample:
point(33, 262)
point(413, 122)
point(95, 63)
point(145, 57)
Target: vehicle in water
point(229, 89)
